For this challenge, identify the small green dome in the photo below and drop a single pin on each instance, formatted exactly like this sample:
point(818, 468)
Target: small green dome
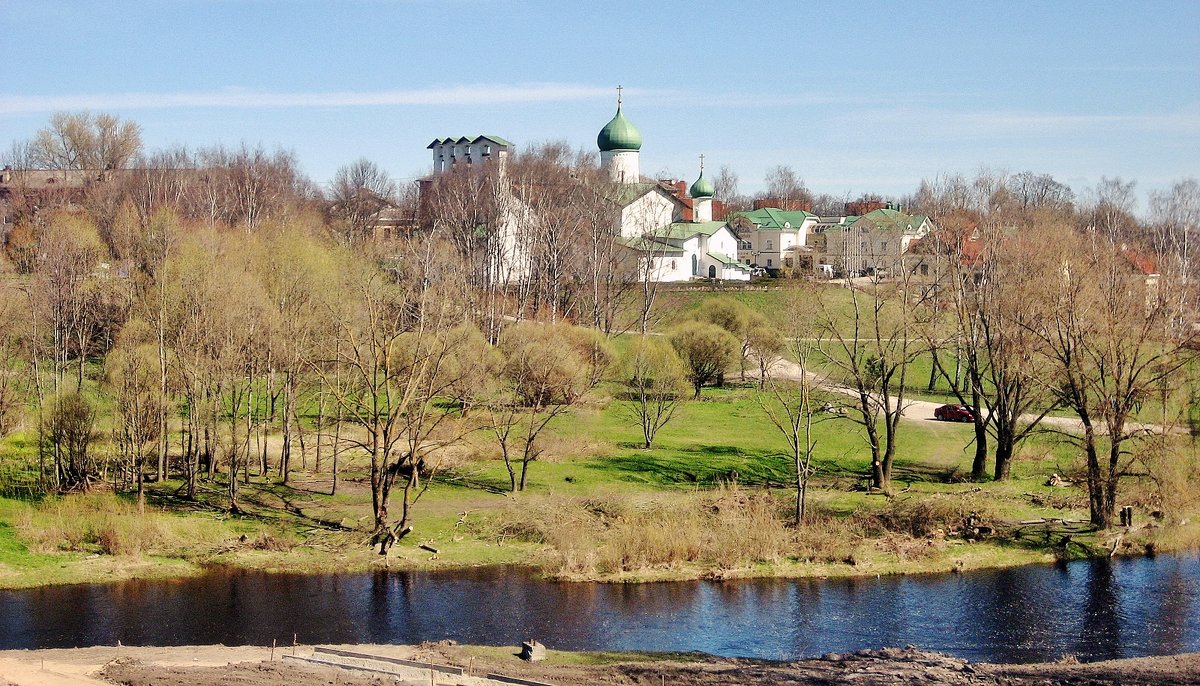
point(703, 188)
point(619, 134)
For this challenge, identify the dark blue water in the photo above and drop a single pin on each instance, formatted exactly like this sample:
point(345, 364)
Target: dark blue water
point(1092, 609)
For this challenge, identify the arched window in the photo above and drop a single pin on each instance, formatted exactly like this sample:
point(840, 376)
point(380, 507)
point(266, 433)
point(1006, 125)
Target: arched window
point(695, 266)
point(712, 271)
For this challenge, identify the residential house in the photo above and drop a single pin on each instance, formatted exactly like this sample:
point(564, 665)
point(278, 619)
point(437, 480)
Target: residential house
point(775, 239)
point(873, 243)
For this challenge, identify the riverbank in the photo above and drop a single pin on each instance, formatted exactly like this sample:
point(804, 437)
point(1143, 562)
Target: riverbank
point(259, 666)
point(613, 540)
point(710, 500)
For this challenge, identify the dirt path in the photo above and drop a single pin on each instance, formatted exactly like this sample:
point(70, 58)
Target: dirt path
point(218, 665)
point(72, 666)
point(923, 409)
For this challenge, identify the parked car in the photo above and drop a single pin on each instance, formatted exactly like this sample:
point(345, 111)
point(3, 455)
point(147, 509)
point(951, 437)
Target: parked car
point(954, 413)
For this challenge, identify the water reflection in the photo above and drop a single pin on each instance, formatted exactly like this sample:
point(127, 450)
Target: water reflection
point(1095, 610)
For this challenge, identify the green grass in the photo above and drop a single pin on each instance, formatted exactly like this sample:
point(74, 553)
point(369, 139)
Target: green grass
point(593, 452)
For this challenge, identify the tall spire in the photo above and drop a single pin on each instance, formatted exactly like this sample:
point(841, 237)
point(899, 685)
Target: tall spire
point(619, 89)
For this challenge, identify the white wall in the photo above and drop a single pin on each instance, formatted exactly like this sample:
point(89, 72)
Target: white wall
point(724, 242)
point(646, 214)
point(622, 165)
point(673, 267)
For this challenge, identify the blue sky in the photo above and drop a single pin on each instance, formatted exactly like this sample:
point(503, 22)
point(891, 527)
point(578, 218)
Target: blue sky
point(857, 97)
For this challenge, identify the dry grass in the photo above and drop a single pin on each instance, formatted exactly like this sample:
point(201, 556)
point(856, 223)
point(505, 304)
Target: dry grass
point(929, 516)
point(103, 523)
point(727, 528)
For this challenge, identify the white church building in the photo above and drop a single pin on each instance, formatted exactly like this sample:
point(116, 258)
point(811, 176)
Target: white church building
point(672, 234)
point(676, 234)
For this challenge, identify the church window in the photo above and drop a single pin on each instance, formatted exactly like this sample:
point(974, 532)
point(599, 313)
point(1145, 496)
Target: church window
point(769, 262)
point(770, 243)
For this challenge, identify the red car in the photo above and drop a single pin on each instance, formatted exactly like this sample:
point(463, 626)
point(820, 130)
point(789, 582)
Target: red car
point(954, 413)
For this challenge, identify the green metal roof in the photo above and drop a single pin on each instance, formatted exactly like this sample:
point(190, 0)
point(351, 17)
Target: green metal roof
point(465, 139)
point(495, 139)
point(728, 261)
point(683, 230)
point(773, 219)
point(623, 194)
point(651, 244)
point(619, 134)
point(894, 219)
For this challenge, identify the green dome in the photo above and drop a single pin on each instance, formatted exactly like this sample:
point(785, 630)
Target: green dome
point(619, 134)
point(703, 188)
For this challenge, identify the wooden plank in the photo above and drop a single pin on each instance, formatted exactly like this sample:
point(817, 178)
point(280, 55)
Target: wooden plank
point(444, 669)
point(516, 680)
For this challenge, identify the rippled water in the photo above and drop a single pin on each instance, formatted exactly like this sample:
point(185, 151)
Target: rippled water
point(1093, 609)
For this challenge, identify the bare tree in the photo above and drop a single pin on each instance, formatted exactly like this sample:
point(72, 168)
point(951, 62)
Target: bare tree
point(655, 379)
point(394, 339)
point(71, 424)
point(786, 186)
point(1113, 337)
point(542, 376)
point(83, 140)
point(360, 191)
point(14, 355)
point(870, 347)
point(1176, 221)
point(132, 375)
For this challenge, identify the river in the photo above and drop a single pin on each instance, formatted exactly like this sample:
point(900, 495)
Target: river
point(1095, 609)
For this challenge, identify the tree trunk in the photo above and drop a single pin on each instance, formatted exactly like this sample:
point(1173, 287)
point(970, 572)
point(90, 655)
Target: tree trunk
point(141, 490)
point(1100, 515)
point(378, 502)
point(879, 477)
point(932, 372)
point(285, 453)
point(234, 450)
point(162, 384)
point(524, 472)
point(979, 464)
point(320, 427)
point(1003, 460)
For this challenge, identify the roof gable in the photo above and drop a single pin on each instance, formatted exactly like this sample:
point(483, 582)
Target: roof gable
point(689, 229)
point(774, 219)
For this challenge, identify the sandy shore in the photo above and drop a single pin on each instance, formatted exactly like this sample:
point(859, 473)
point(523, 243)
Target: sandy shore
point(253, 666)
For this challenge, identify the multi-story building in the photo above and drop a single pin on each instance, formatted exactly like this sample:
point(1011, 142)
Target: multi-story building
point(448, 152)
point(771, 238)
point(873, 243)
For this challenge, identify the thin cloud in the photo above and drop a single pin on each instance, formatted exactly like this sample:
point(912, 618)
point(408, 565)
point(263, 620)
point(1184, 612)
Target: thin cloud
point(924, 121)
point(247, 98)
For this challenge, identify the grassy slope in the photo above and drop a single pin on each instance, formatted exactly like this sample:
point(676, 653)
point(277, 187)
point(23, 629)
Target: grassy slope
point(594, 450)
